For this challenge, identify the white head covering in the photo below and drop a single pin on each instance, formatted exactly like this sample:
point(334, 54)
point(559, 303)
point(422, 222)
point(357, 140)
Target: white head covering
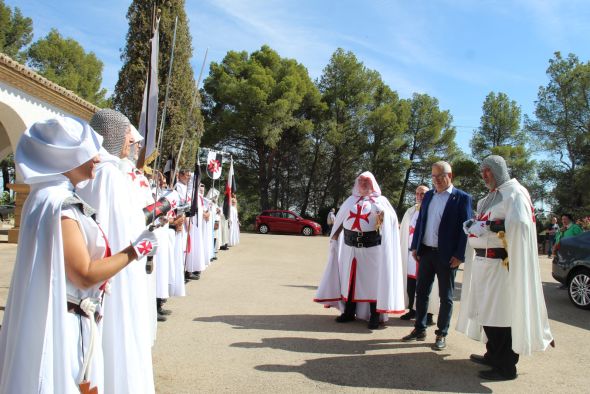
point(212, 194)
point(54, 146)
point(376, 189)
point(136, 136)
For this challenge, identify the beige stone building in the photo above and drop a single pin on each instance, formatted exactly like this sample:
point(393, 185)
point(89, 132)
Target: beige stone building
point(25, 98)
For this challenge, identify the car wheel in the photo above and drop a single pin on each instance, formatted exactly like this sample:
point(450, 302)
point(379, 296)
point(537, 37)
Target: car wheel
point(578, 288)
point(307, 231)
point(263, 229)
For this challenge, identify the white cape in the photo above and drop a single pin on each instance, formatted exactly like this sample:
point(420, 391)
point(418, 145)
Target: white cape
point(390, 289)
point(234, 226)
point(38, 346)
point(126, 339)
point(530, 324)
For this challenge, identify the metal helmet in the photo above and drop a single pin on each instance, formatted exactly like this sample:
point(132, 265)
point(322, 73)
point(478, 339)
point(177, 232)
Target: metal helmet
point(113, 126)
point(497, 166)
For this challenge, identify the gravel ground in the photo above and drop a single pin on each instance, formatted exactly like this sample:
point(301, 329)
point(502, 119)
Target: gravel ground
point(249, 325)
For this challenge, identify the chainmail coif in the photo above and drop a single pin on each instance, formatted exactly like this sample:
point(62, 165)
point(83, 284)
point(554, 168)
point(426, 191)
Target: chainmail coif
point(113, 126)
point(497, 166)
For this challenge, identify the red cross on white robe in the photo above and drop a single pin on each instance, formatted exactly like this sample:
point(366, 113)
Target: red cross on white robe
point(357, 217)
point(145, 247)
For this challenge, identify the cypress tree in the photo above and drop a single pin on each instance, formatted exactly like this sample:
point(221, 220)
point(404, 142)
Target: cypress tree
point(132, 76)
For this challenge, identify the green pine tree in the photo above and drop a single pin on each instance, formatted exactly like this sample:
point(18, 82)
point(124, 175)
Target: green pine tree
point(16, 32)
point(64, 61)
point(180, 121)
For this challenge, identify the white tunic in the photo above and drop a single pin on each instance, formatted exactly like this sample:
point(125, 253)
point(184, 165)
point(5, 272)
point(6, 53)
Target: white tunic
point(126, 342)
point(234, 226)
point(377, 270)
point(40, 341)
point(492, 295)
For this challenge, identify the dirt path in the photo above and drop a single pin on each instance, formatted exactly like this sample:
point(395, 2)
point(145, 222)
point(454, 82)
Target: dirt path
point(250, 326)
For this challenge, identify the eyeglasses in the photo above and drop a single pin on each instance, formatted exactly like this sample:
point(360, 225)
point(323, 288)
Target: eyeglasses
point(439, 176)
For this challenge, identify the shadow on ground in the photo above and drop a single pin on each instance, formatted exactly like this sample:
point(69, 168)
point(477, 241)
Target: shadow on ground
point(561, 309)
point(329, 346)
point(309, 323)
point(308, 287)
point(403, 371)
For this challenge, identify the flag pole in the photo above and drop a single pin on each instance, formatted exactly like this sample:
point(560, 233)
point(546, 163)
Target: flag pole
point(163, 118)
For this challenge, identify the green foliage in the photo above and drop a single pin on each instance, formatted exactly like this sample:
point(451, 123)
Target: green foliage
point(16, 32)
point(7, 168)
point(260, 106)
point(348, 89)
point(385, 126)
point(182, 117)
point(467, 176)
point(562, 129)
point(429, 137)
point(64, 61)
point(500, 134)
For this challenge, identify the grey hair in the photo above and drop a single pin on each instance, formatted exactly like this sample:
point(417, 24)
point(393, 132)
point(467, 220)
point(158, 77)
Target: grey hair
point(444, 166)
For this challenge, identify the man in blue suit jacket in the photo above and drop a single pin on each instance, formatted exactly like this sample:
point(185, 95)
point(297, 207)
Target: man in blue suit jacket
point(439, 247)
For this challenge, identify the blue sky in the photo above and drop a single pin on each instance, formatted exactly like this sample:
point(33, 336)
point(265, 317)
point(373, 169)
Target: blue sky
point(455, 50)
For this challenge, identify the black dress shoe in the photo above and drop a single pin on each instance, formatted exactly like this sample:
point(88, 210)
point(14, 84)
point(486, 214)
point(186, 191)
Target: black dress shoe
point(344, 318)
point(494, 374)
point(415, 335)
point(162, 317)
point(476, 358)
point(191, 276)
point(409, 316)
point(164, 312)
point(374, 321)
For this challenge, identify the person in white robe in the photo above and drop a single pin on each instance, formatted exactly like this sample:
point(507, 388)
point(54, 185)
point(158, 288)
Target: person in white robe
point(177, 239)
point(364, 275)
point(215, 210)
point(162, 264)
point(224, 231)
point(410, 264)
point(206, 228)
point(502, 300)
point(142, 196)
point(234, 222)
point(126, 341)
point(50, 340)
point(194, 254)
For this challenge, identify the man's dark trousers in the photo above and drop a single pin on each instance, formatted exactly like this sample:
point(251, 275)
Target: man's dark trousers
point(499, 350)
point(429, 266)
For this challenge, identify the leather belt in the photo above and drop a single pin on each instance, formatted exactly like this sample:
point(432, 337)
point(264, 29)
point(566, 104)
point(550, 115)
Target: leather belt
point(75, 309)
point(429, 248)
point(496, 225)
point(357, 239)
point(492, 253)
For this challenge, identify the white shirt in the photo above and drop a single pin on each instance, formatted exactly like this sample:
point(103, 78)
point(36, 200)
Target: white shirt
point(435, 211)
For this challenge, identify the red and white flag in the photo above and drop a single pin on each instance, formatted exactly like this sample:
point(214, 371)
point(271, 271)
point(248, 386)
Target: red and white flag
point(214, 165)
point(230, 189)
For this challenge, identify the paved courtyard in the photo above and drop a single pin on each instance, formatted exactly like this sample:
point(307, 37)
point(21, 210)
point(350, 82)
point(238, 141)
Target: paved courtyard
point(250, 326)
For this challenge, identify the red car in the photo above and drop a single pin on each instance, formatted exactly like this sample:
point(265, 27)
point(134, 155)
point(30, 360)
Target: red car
point(282, 221)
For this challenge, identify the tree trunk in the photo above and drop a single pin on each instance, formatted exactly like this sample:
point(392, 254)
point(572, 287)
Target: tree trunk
point(402, 195)
point(311, 177)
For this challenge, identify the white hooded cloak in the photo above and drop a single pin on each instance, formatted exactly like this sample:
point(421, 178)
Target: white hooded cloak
point(494, 295)
point(378, 269)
